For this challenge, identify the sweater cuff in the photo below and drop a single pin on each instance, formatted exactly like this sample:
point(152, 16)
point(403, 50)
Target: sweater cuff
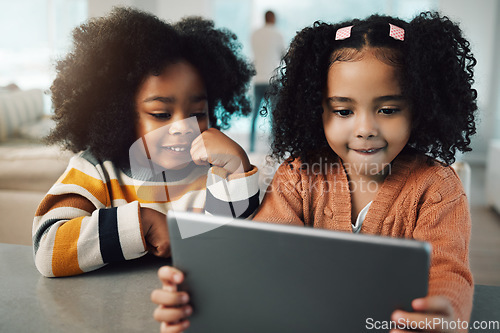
point(235, 196)
point(223, 173)
point(130, 231)
point(233, 187)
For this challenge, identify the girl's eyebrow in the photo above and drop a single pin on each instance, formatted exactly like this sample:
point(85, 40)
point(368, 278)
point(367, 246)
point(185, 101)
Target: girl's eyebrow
point(386, 98)
point(339, 99)
point(167, 100)
point(390, 98)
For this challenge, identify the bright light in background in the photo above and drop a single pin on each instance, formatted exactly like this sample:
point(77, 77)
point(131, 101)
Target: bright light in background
point(244, 16)
point(35, 33)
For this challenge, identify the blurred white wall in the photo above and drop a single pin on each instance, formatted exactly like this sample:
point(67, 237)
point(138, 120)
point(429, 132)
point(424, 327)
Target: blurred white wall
point(480, 22)
point(169, 10)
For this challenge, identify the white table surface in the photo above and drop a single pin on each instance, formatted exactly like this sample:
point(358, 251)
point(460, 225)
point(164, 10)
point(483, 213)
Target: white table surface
point(115, 298)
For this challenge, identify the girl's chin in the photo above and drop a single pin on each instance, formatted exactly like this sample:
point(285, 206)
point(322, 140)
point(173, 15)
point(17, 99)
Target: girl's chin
point(174, 166)
point(171, 160)
point(367, 168)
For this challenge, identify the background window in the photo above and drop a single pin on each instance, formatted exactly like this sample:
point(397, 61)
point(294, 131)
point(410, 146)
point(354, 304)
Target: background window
point(244, 16)
point(35, 33)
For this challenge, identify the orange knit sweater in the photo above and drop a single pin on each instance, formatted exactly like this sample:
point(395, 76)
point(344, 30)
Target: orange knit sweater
point(419, 199)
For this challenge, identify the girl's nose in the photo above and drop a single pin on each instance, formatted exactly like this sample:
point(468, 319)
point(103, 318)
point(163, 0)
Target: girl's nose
point(181, 127)
point(366, 127)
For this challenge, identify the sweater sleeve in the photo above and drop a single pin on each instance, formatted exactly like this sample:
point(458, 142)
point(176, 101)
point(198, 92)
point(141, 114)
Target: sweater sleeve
point(283, 202)
point(75, 229)
point(444, 221)
point(235, 195)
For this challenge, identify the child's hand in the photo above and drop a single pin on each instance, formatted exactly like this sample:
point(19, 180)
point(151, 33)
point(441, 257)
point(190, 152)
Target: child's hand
point(155, 231)
point(172, 307)
point(216, 148)
point(430, 313)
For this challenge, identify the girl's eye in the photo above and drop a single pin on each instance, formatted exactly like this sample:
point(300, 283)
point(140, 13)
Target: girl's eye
point(342, 113)
point(161, 116)
point(388, 111)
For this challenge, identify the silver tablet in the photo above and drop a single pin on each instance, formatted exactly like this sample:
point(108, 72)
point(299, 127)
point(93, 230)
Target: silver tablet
point(247, 276)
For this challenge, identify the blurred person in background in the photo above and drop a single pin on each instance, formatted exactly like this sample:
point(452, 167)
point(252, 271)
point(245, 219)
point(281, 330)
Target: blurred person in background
point(268, 48)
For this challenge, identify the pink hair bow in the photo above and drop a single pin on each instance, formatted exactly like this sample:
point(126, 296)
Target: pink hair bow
point(396, 32)
point(343, 33)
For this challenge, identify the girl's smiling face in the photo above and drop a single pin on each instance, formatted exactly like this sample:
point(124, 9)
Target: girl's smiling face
point(367, 121)
point(172, 111)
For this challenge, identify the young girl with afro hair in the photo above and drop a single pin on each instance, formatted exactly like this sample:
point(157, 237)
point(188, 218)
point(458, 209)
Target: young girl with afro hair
point(368, 115)
point(141, 102)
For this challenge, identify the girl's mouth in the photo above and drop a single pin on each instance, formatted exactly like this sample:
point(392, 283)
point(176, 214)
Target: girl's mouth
point(177, 148)
point(368, 151)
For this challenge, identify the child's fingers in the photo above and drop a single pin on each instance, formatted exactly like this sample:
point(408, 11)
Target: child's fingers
point(197, 140)
point(170, 275)
point(172, 315)
point(428, 322)
point(416, 317)
point(433, 304)
point(199, 154)
point(199, 158)
point(169, 298)
point(161, 250)
point(199, 144)
point(174, 327)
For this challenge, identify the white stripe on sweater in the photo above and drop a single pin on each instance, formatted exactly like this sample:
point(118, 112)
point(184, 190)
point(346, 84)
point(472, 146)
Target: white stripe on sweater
point(129, 230)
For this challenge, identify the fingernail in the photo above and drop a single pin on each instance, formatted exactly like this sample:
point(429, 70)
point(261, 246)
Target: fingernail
point(188, 311)
point(395, 315)
point(419, 302)
point(177, 277)
point(163, 270)
point(184, 298)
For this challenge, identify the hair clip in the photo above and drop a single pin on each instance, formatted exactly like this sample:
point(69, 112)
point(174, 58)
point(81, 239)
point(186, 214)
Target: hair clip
point(396, 32)
point(343, 33)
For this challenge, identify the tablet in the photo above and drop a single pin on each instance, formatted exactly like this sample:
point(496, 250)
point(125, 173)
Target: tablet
point(247, 276)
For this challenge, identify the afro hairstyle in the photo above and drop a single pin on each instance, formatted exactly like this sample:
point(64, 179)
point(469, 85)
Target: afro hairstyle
point(94, 89)
point(435, 66)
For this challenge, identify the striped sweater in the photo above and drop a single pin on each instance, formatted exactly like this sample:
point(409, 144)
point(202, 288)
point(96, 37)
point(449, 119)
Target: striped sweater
point(420, 199)
point(90, 217)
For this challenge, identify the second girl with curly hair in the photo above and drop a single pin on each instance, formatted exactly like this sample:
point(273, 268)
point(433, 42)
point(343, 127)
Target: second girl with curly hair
point(381, 105)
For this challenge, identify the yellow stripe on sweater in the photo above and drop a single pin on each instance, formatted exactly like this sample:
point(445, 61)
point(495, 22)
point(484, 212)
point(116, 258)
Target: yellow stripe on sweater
point(144, 194)
point(65, 252)
point(79, 178)
point(51, 202)
point(155, 193)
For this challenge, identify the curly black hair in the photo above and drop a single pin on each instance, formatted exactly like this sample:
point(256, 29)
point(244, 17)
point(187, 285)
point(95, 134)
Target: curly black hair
point(436, 76)
point(94, 90)
point(226, 73)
